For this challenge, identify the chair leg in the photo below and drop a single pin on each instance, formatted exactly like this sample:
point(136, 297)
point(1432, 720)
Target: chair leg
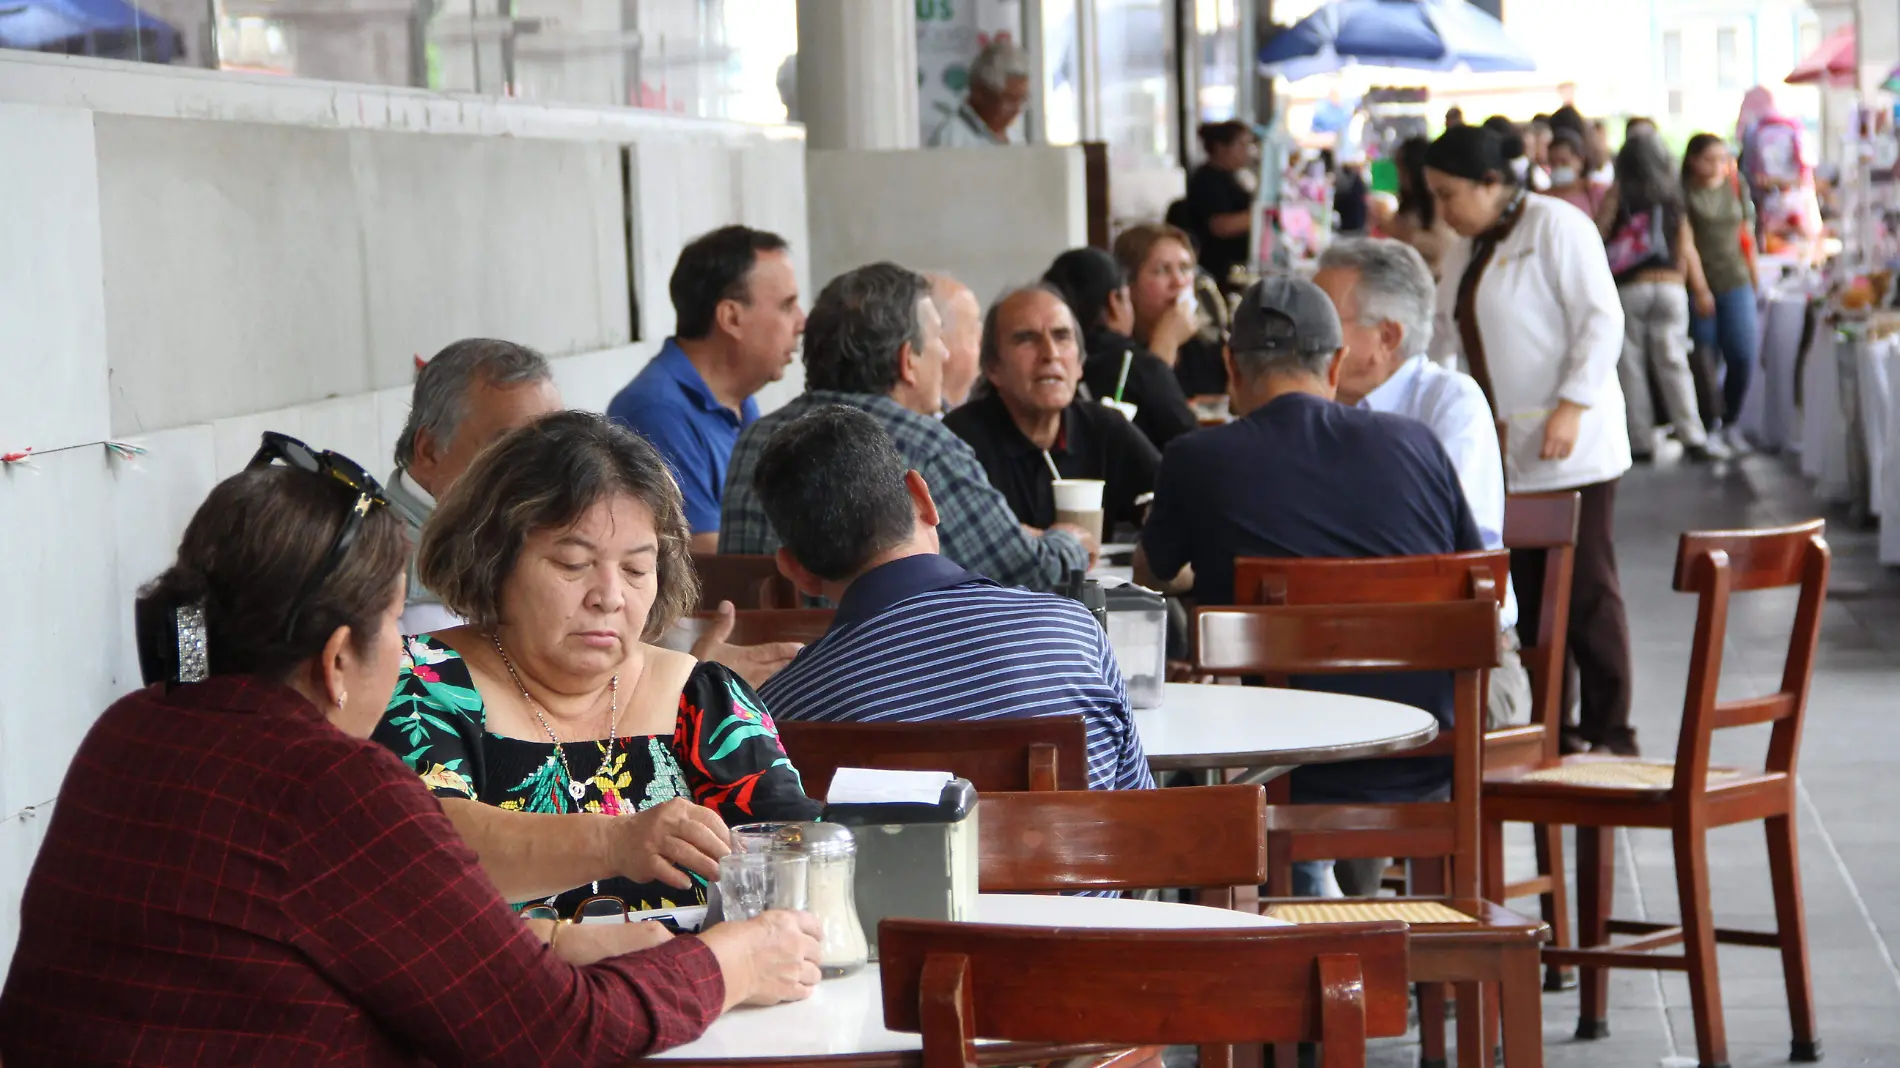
point(1698, 945)
point(1596, 887)
point(1791, 923)
point(1431, 1025)
point(1555, 902)
point(1522, 1011)
point(1474, 1035)
point(1493, 861)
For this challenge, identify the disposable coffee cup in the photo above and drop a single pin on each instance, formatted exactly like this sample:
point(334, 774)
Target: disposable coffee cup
point(1079, 502)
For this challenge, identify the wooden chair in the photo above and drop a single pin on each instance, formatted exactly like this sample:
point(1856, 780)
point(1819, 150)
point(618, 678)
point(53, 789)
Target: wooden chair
point(757, 626)
point(1206, 838)
point(956, 982)
point(1540, 530)
point(747, 581)
point(1597, 794)
point(1037, 753)
point(1209, 839)
point(1477, 942)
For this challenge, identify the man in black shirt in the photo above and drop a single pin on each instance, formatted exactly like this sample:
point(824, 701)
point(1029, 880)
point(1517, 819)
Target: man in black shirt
point(1030, 417)
point(1299, 475)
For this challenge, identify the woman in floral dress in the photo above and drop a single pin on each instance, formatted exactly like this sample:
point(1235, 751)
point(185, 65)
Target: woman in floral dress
point(565, 546)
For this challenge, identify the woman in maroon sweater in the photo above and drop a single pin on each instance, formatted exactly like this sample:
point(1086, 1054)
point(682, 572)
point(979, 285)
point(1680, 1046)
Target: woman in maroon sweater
point(235, 874)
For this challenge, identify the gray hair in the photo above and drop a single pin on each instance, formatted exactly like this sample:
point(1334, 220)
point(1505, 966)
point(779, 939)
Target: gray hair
point(1394, 286)
point(440, 400)
point(997, 64)
point(860, 322)
point(1253, 364)
point(991, 349)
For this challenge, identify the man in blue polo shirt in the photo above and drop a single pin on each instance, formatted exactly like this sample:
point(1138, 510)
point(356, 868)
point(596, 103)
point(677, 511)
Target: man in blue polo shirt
point(918, 638)
point(1297, 474)
point(735, 296)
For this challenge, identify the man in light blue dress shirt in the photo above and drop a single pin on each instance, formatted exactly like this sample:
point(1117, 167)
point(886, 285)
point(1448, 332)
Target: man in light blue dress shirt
point(1385, 295)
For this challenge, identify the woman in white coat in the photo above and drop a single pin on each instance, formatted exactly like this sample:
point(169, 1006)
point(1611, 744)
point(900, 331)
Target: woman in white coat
point(1527, 306)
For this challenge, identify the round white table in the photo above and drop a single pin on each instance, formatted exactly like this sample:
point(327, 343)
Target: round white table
point(1270, 730)
point(844, 1018)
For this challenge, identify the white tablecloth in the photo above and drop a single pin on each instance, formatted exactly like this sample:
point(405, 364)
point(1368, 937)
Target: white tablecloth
point(1768, 413)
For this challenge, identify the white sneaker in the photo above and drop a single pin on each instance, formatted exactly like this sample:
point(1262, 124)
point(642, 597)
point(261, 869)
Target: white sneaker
point(1736, 441)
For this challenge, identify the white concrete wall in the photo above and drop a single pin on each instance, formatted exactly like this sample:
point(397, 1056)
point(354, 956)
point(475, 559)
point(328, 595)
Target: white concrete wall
point(903, 206)
point(208, 256)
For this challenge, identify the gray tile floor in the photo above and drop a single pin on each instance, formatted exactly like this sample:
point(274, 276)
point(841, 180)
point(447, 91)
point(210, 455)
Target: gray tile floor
point(1850, 788)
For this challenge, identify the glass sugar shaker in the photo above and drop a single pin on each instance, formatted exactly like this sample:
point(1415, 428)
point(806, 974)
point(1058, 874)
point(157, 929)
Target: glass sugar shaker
point(830, 893)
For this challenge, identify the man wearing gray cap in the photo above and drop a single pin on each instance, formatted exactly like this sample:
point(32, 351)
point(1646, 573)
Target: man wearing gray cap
point(1298, 475)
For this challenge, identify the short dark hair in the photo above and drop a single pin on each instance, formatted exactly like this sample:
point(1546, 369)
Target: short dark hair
point(544, 476)
point(861, 320)
point(715, 267)
point(832, 485)
point(1476, 153)
point(1087, 278)
point(246, 554)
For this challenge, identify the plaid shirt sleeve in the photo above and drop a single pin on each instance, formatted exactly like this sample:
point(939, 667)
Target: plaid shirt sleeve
point(978, 530)
point(395, 911)
point(743, 527)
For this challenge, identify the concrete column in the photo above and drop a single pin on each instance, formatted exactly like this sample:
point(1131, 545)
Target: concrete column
point(857, 73)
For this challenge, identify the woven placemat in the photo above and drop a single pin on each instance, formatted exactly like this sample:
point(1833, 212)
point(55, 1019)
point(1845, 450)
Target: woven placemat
point(1625, 773)
point(1366, 911)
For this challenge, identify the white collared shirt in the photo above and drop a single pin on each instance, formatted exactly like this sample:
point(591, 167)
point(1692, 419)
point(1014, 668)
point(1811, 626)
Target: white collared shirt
point(1452, 405)
point(423, 616)
point(964, 128)
point(1552, 326)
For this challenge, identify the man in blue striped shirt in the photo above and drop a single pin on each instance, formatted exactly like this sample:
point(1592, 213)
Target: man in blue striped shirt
point(918, 638)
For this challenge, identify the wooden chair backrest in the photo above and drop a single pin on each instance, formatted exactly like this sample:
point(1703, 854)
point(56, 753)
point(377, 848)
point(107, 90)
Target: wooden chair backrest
point(1033, 753)
point(1370, 580)
point(957, 982)
point(1713, 565)
point(760, 626)
point(1546, 523)
point(1200, 837)
point(745, 580)
point(1456, 636)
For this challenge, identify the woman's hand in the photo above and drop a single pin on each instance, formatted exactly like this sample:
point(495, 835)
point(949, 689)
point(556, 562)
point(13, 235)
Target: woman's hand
point(1705, 304)
point(666, 841)
point(1560, 430)
point(753, 663)
point(585, 943)
point(767, 959)
point(1171, 330)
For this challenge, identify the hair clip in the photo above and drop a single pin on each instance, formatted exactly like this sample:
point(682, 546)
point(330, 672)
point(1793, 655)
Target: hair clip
point(193, 655)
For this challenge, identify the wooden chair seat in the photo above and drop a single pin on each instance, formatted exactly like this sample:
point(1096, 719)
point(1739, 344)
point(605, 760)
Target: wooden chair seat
point(1603, 772)
point(1630, 792)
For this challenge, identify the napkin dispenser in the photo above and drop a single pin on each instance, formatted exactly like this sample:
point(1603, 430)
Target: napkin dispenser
point(1137, 624)
point(916, 859)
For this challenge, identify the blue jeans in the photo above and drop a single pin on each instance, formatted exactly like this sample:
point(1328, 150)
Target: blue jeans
point(1733, 328)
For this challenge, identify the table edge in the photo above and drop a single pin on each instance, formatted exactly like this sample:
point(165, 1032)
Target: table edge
point(1326, 754)
point(989, 1054)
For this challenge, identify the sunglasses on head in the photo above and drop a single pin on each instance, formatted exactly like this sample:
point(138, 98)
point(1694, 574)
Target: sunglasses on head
point(282, 448)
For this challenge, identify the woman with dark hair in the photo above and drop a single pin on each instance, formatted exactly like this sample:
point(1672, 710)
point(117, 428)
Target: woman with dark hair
point(1166, 294)
point(1528, 305)
point(1570, 179)
point(1652, 256)
point(1416, 221)
point(1722, 217)
point(565, 546)
point(235, 874)
point(1219, 202)
point(1117, 367)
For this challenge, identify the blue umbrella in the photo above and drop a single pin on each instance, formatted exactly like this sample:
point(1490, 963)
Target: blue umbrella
point(111, 29)
point(1416, 34)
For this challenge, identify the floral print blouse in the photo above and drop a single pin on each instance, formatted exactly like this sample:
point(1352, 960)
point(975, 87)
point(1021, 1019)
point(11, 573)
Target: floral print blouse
point(723, 753)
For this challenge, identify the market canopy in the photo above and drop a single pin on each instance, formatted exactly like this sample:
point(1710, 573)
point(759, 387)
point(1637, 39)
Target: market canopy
point(1836, 62)
point(1413, 34)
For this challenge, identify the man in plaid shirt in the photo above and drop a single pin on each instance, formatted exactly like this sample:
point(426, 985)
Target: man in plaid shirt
point(874, 342)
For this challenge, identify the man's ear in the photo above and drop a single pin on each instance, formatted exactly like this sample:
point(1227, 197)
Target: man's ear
point(922, 505)
point(1391, 335)
point(726, 315)
point(807, 583)
point(907, 365)
point(1227, 361)
point(1333, 368)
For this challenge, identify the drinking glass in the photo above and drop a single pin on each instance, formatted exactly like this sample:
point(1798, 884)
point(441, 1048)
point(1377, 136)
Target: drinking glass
point(751, 883)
